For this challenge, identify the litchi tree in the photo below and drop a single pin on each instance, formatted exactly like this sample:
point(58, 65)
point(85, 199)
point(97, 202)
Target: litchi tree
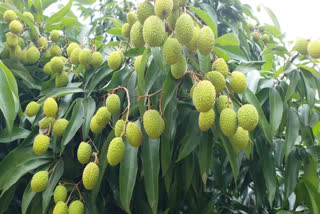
point(165, 106)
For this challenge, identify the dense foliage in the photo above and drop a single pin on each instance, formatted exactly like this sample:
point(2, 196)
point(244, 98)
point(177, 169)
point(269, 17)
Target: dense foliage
point(120, 133)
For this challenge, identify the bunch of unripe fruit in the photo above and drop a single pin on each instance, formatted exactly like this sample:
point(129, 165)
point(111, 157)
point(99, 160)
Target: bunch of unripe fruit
point(306, 47)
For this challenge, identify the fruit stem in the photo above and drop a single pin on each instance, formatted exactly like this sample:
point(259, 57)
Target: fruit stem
point(54, 168)
point(199, 22)
point(233, 97)
point(94, 145)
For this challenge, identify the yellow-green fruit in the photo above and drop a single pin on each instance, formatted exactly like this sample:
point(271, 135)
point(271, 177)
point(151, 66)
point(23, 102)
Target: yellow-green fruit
point(144, 10)
point(137, 63)
point(84, 152)
point(152, 123)
point(265, 38)
point(248, 117)
point(118, 129)
point(228, 122)
point(114, 60)
point(50, 107)
point(205, 40)
point(24, 56)
point(184, 29)
point(32, 109)
point(12, 40)
point(171, 51)
point(136, 35)
point(85, 57)
point(191, 92)
point(192, 45)
point(60, 208)
point(162, 125)
point(90, 175)
point(97, 59)
point(217, 80)
point(34, 35)
point(176, 4)
point(116, 151)
point(46, 122)
point(29, 16)
point(173, 17)
point(15, 53)
point(71, 47)
point(125, 30)
point(47, 68)
point(9, 15)
point(223, 102)
point(33, 55)
point(56, 64)
point(204, 96)
point(301, 46)
point(64, 60)
point(178, 69)
point(62, 79)
point(314, 49)
point(54, 36)
point(15, 27)
point(76, 207)
point(153, 31)
point(134, 134)
point(221, 66)
point(60, 126)
point(206, 120)
point(95, 127)
point(55, 50)
point(103, 116)
point(113, 103)
point(5, 52)
point(74, 58)
point(41, 144)
point(131, 18)
point(183, 3)
point(240, 138)
point(47, 54)
point(21, 43)
point(163, 8)
point(43, 43)
point(39, 181)
point(256, 35)
point(238, 82)
point(60, 194)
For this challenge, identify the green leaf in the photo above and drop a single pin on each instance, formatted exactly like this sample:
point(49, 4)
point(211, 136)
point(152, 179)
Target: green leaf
point(232, 156)
point(89, 107)
point(27, 197)
point(17, 133)
point(276, 110)
point(291, 173)
point(294, 78)
point(205, 155)
point(273, 17)
point(60, 92)
point(188, 166)
point(310, 171)
point(204, 62)
point(116, 22)
point(206, 18)
point(292, 133)
point(314, 197)
point(6, 199)
point(227, 40)
point(60, 14)
point(311, 87)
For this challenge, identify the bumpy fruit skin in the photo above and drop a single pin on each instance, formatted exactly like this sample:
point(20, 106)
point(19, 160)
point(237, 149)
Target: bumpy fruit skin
point(84, 152)
point(176, 4)
point(76, 207)
point(46, 122)
point(43, 43)
point(173, 17)
point(171, 51)
point(15, 27)
point(50, 107)
point(118, 129)
point(60, 126)
point(90, 176)
point(204, 96)
point(131, 18)
point(103, 116)
point(55, 50)
point(116, 151)
point(114, 60)
point(206, 120)
point(94, 126)
point(256, 35)
point(56, 64)
point(9, 15)
point(60, 208)
point(301, 46)
point(71, 47)
point(33, 55)
point(265, 38)
point(184, 29)
point(47, 68)
point(74, 58)
point(15, 53)
point(24, 58)
point(137, 63)
point(228, 122)
point(163, 8)
point(192, 45)
point(314, 49)
point(238, 82)
point(34, 35)
point(39, 181)
point(54, 36)
point(240, 139)
point(223, 102)
point(113, 103)
point(60, 194)
point(191, 92)
point(134, 134)
point(152, 123)
point(5, 52)
point(136, 35)
point(144, 10)
point(183, 3)
point(221, 66)
point(29, 16)
point(205, 40)
point(62, 79)
point(97, 59)
point(153, 31)
point(40, 144)
point(217, 80)
point(178, 69)
point(125, 30)
point(85, 57)
point(248, 117)
point(12, 40)
point(32, 109)
point(21, 43)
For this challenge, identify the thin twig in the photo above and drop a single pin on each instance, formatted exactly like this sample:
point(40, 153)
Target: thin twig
point(199, 22)
point(235, 99)
point(94, 145)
